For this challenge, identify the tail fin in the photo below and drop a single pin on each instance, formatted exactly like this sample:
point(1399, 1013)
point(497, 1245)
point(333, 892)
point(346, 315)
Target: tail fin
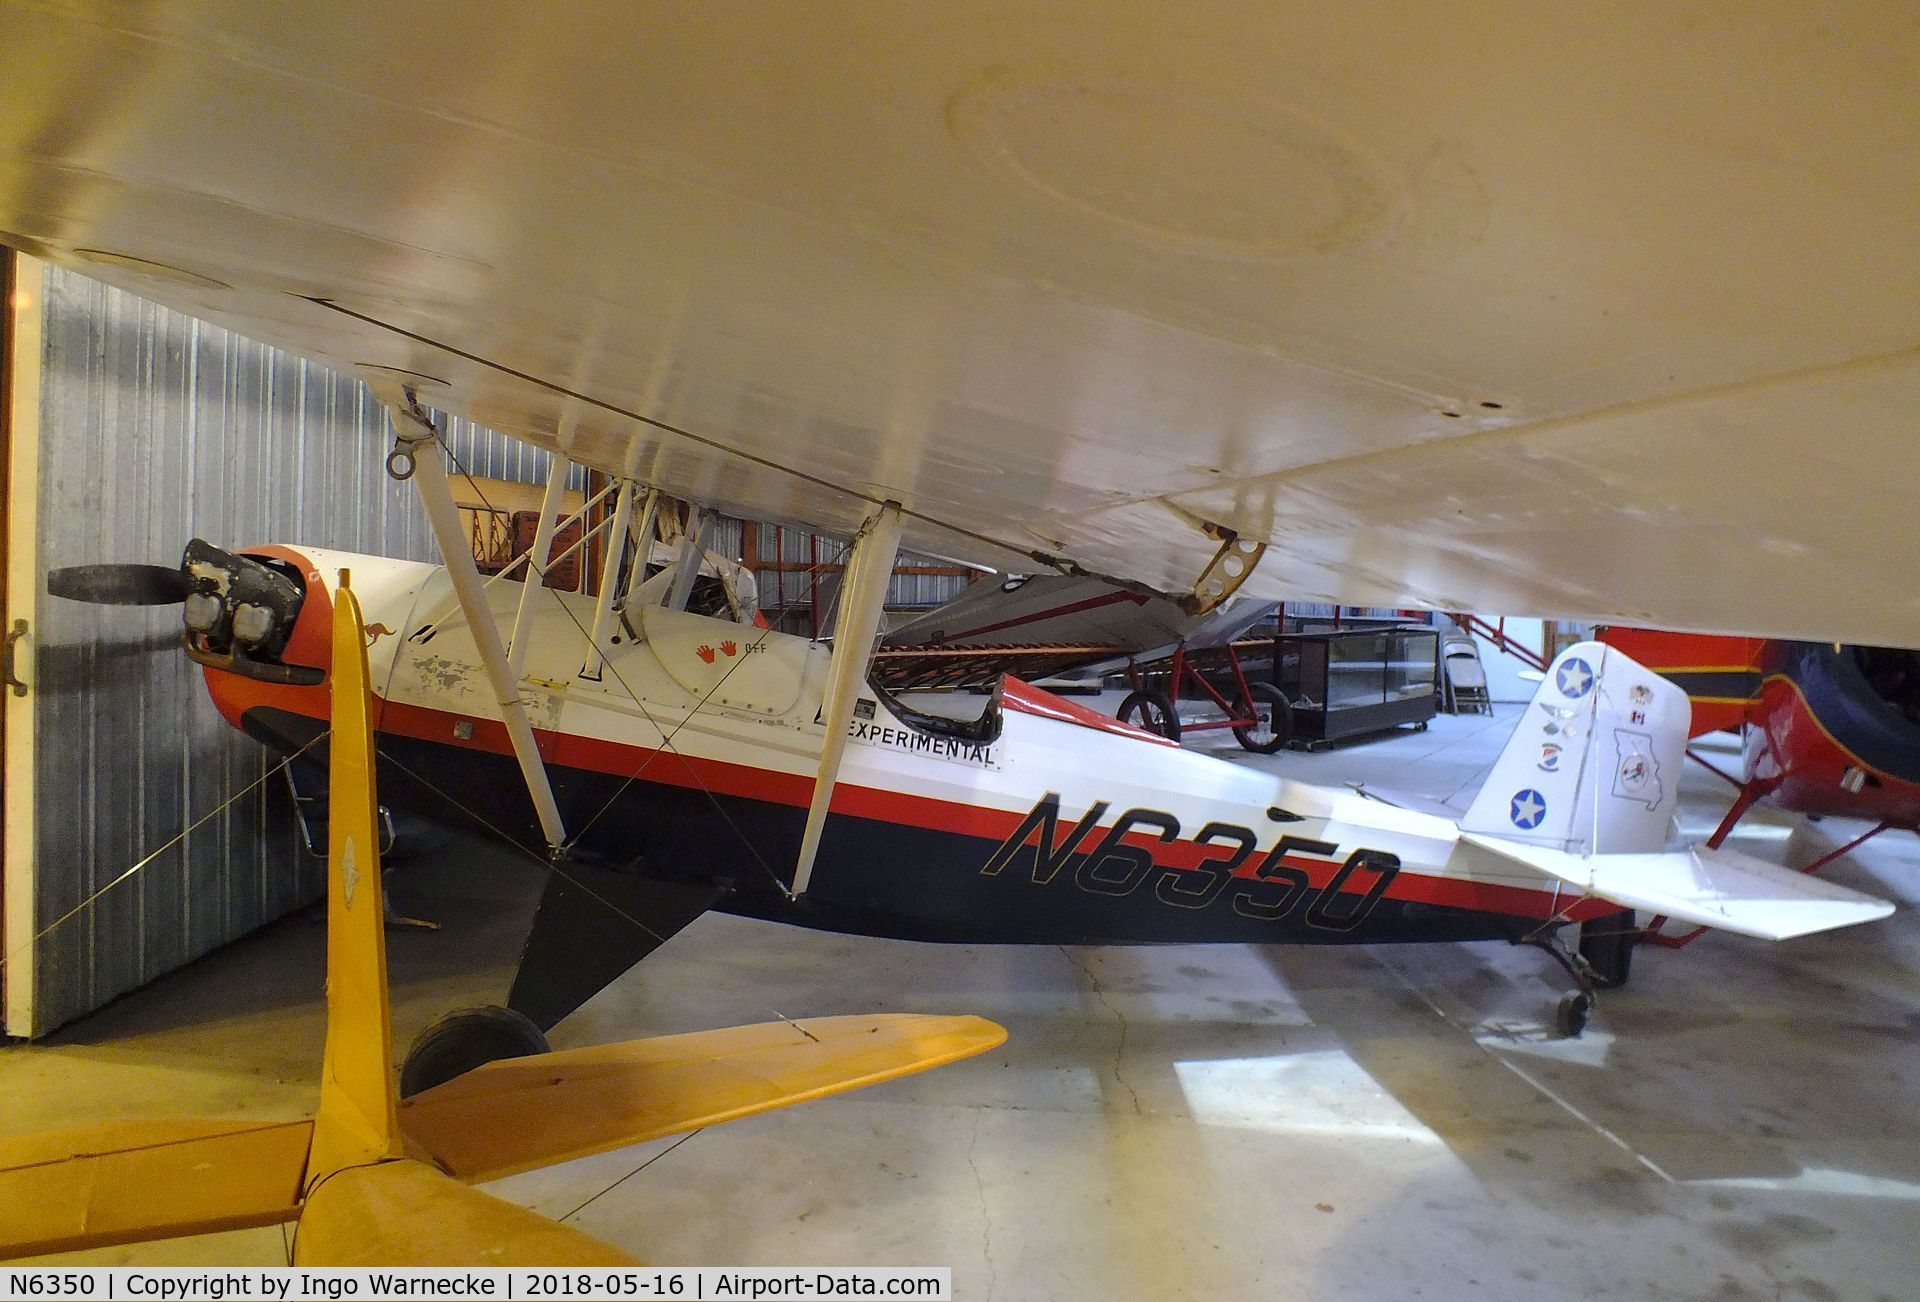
point(1594, 764)
point(358, 1118)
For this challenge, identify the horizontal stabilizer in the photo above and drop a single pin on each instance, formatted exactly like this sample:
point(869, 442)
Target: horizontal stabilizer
point(521, 1113)
point(128, 1181)
point(1708, 888)
point(408, 1214)
point(1419, 804)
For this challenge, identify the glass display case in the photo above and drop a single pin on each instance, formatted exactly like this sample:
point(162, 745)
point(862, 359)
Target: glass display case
point(1357, 681)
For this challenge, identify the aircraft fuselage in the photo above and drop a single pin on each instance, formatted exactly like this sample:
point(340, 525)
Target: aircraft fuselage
point(691, 758)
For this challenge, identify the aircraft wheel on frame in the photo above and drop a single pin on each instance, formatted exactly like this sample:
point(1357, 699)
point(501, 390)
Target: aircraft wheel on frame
point(1152, 711)
point(1576, 1006)
point(1274, 715)
point(1607, 945)
point(457, 1042)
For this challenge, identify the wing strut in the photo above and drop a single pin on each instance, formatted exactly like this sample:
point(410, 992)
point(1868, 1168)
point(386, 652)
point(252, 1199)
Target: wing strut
point(429, 474)
point(615, 548)
point(643, 533)
point(538, 561)
point(864, 592)
point(692, 552)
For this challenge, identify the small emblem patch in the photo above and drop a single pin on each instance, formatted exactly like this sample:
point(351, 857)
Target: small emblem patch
point(1529, 807)
point(349, 872)
point(1575, 679)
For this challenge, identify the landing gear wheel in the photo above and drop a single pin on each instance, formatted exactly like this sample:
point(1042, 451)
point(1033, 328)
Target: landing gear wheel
point(467, 1038)
point(1607, 945)
point(1576, 1006)
point(1274, 715)
point(1152, 711)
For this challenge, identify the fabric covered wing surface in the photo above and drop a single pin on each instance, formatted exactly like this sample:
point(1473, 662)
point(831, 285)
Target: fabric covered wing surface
point(521, 1113)
point(1439, 300)
point(133, 1180)
point(408, 1214)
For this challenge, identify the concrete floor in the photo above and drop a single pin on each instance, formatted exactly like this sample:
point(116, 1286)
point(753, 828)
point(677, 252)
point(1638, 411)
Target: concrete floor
point(1211, 1122)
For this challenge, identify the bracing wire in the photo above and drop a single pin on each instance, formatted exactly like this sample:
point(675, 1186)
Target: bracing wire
point(149, 858)
point(534, 571)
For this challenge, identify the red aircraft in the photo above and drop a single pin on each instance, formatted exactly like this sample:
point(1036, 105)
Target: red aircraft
point(1829, 728)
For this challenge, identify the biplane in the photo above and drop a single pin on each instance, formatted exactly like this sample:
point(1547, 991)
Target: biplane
point(1038, 626)
point(685, 753)
point(1479, 307)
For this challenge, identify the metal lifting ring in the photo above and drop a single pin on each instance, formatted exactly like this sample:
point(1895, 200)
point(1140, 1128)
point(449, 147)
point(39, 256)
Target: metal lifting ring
point(400, 463)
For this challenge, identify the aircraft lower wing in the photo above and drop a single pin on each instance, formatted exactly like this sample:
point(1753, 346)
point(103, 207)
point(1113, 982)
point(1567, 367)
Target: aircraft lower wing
point(520, 1113)
point(1709, 888)
point(1595, 315)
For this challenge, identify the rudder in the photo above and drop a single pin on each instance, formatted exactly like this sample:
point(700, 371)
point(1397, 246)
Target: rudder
point(357, 1120)
point(1593, 766)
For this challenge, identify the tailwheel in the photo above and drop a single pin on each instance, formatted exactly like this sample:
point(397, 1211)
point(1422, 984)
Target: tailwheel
point(1576, 1006)
point(457, 1042)
point(1152, 711)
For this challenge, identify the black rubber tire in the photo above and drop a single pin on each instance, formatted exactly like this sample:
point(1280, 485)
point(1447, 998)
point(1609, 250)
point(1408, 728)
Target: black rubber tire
point(457, 1042)
point(1576, 1006)
point(1155, 711)
point(1270, 703)
point(1607, 944)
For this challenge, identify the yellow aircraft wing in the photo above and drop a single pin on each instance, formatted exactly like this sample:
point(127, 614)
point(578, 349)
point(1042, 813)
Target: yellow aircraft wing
point(123, 1181)
point(521, 1113)
point(408, 1214)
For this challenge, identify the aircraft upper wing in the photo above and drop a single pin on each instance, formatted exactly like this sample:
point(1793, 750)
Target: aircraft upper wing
point(1602, 314)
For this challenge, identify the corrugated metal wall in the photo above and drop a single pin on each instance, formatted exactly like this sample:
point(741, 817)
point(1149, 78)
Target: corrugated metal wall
point(156, 427)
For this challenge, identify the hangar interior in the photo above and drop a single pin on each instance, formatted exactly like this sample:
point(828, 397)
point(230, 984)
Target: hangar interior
point(1175, 1120)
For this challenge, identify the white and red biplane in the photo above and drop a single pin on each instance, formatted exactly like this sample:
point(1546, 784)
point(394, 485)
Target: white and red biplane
point(683, 752)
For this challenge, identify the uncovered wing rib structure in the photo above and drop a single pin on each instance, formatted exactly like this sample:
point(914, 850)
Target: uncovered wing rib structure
point(372, 1181)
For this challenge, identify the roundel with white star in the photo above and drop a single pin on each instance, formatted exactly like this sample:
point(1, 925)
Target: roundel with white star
point(1575, 679)
point(1529, 807)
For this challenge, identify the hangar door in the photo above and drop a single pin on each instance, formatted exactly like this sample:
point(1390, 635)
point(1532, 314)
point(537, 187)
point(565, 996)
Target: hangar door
point(140, 830)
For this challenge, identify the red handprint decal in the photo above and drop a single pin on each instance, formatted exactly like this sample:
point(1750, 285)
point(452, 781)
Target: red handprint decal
point(731, 648)
point(704, 652)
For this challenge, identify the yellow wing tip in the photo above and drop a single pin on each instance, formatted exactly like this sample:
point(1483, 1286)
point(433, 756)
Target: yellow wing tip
point(518, 1114)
